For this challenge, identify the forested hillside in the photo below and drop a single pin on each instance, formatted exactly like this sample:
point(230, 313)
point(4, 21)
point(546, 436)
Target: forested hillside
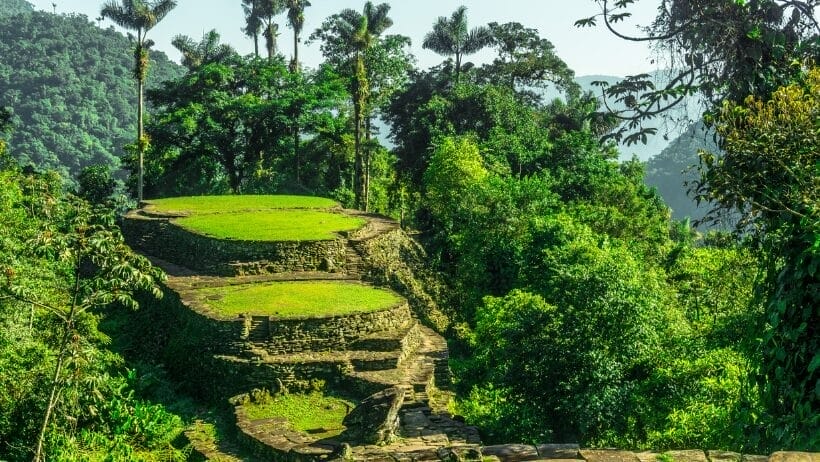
point(12, 7)
point(70, 88)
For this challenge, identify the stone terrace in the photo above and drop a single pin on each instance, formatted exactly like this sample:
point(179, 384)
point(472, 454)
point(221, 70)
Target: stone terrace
point(358, 354)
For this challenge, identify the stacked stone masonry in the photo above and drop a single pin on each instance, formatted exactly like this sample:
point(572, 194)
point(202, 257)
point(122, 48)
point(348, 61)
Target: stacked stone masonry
point(160, 237)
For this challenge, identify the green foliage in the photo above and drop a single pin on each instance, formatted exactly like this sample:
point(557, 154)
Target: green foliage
point(68, 85)
point(374, 67)
point(216, 129)
point(769, 175)
point(63, 264)
point(297, 298)
point(718, 49)
point(526, 62)
point(96, 184)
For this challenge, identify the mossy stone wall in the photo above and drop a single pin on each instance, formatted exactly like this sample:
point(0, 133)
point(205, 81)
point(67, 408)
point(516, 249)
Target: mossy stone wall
point(161, 238)
point(332, 333)
point(394, 260)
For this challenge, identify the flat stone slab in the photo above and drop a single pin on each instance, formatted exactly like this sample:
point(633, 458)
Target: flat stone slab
point(729, 456)
point(693, 455)
point(511, 452)
point(793, 456)
point(558, 451)
point(608, 455)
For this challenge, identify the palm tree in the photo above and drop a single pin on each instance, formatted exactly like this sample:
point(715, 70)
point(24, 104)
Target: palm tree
point(296, 20)
point(451, 37)
point(253, 22)
point(359, 31)
point(139, 16)
point(208, 50)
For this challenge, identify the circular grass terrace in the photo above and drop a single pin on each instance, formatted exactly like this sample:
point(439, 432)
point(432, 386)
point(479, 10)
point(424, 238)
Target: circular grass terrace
point(257, 218)
point(291, 299)
point(316, 414)
point(191, 205)
point(271, 225)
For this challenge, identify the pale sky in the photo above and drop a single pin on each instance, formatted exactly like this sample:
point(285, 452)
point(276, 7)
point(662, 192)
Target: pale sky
point(587, 51)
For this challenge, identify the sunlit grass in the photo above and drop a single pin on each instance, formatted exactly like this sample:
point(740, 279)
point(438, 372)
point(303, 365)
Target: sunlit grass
point(297, 298)
point(214, 204)
point(316, 414)
point(271, 225)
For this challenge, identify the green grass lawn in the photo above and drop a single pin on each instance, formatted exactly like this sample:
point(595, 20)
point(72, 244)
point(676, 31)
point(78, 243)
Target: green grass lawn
point(271, 225)
point(297, 298)
point(215, 204)
point(317, 415)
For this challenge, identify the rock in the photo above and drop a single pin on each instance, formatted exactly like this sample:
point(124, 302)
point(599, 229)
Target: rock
point(608, 455)
point(511, 452)
point(376, 419)
point(462, 454)
point(790, 456)
point(558, 451)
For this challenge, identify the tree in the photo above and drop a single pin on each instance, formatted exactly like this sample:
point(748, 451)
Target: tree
point(253, 22)
point(100, 268)
point(451, 37)
point(347, 37)
point(718, 49)
point(139, 16)
point(259, 16)
point(225, 123)
point(296, 20)
point(526, 61)
point(769, 175)
point(207, 51)
point(67, 83)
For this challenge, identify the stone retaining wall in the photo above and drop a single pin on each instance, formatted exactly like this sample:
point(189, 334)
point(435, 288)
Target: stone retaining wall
point(394, 260)
point(296, 335)
point(162, 238)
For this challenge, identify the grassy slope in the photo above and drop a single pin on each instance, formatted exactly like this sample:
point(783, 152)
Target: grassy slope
point(216, 204)
point(297, 298)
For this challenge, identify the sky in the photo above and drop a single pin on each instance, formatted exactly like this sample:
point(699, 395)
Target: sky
point(588, 51)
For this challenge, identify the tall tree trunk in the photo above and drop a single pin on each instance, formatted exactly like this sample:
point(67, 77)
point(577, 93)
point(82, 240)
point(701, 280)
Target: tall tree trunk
point(140, 139)
point(458, 67)
point(360, 98)
point(296, 151)
point(367, 152)
point(256, 44)
point(295, 51)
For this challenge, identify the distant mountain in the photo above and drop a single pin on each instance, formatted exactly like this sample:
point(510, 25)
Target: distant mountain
point(675, 166)
point(69, 85)
point(13, 7)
